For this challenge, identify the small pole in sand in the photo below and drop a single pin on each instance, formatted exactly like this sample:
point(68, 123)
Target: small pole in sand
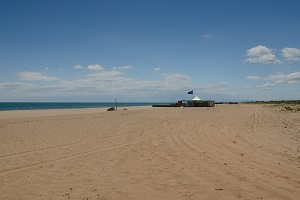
point(116, 104)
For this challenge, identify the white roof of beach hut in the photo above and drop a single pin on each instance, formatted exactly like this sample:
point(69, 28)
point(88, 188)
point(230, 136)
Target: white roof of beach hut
point(196, 98)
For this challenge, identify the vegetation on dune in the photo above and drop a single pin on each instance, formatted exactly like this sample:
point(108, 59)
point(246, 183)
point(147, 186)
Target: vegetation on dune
point(287, 105)
point(277, 102)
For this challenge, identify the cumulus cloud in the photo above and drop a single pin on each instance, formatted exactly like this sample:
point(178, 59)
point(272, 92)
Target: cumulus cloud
point(291, 54)
point(253, 77)
point(35, 76)
point(156, 68)
point(95, 67)
point(262, 54)
point(291, 78)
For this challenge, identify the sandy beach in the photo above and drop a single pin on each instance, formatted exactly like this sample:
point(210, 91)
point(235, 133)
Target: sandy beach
point(229, 152)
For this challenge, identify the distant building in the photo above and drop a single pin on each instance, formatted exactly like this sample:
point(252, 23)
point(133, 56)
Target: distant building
point(196, 103)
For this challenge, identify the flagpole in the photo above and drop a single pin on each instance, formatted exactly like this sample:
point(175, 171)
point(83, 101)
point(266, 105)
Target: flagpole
point(191, 93)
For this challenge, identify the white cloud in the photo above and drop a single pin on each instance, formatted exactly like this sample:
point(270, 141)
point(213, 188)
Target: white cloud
point(156, 68)
point(112, 82)
point(35, 76)
point(105, 75)
point(176, 81)
point(215, 87)
point(291, 78)
point(291, 54)
point(272, 82)
point(265, 86)
point(78, 67)
point(95, 67)
point(122, 68)
point(262, 54)
point(253, 77)
point(176, 78)
point(218, 84)
point(258, 51)
point(46, 68)
point(256, 90)
point(100, 84)
point(207, 36)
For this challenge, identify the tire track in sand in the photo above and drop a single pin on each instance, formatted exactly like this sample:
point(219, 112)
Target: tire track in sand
point(217, 143)
point(3, 173)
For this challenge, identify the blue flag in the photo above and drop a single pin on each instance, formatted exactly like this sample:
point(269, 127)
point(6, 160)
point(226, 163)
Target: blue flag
point(190, 92)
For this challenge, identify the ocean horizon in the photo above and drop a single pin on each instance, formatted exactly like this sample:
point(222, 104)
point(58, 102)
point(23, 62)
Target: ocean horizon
point(5, 106)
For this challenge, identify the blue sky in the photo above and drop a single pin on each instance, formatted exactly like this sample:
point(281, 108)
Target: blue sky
point(149, 50)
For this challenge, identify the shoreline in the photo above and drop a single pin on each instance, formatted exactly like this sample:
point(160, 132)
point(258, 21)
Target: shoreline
point(7, 106)
point(8, 114)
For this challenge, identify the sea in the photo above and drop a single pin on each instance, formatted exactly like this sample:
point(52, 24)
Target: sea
point(4, 106)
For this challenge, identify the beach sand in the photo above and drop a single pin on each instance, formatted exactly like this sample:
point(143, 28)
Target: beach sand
point(229, 152)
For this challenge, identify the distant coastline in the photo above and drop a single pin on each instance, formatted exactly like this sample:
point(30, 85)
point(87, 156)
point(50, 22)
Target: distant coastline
point(5, 106)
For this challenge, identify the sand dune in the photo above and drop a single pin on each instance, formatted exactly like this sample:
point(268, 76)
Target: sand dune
point(230, 152)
